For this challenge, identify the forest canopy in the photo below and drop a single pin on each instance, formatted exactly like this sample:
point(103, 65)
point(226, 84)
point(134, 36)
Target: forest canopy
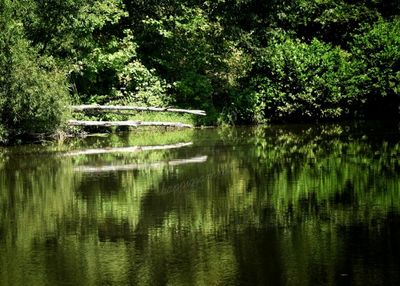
point(243, 61)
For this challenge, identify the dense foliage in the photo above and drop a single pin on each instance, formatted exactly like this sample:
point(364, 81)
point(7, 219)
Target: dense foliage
point(33, 90)
point(244, 61)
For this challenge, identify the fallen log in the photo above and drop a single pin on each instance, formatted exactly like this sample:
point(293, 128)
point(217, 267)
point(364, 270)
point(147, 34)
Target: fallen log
point(128, 123)
point(81, 108)
point(125, 149)
point(129, 167)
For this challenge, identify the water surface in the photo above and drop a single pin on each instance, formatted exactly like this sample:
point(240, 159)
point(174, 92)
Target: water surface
point(278, 205)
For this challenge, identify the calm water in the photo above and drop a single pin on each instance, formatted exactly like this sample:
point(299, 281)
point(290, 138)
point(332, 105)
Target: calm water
point(281, 205)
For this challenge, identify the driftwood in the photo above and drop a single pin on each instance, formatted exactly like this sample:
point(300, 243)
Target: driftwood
point(129, 167)
point(128, 123)
point(104, 108)
point(124, 149)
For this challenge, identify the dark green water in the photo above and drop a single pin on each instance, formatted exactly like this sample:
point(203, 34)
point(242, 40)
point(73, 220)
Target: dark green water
point(282, 205)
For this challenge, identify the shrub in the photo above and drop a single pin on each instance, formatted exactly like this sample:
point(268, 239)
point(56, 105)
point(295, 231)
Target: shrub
point(379, 51)
point(33, 93)
point(295, 80)
point(37, 95)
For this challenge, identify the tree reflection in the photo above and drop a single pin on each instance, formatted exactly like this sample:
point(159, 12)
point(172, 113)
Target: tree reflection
point(269, 205)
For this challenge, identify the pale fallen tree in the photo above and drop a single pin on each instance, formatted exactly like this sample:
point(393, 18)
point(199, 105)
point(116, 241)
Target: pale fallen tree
point(137, 166)
point(125, 149)
point(128, 123)
point(118, 108)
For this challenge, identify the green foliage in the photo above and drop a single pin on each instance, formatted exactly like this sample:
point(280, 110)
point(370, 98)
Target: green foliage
point(68, 29)
point(194, 89)
point(33, 95)
point(113, 73)
point(243, 61)
point(188, 60)
point(378, 49)
point(37, 97)
point(101, 61)
point(333, 21)
point(295, 80)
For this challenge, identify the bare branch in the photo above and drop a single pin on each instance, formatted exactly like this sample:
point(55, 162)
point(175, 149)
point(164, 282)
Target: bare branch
point(128, 123)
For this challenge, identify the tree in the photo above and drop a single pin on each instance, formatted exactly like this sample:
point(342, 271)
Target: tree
point(33, 92)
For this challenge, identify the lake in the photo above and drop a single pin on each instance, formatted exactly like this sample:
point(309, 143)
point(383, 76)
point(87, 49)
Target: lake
point(272, 205)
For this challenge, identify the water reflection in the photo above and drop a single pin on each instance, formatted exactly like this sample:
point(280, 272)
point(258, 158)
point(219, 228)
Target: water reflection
point(142, 166)
point(296, 205)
